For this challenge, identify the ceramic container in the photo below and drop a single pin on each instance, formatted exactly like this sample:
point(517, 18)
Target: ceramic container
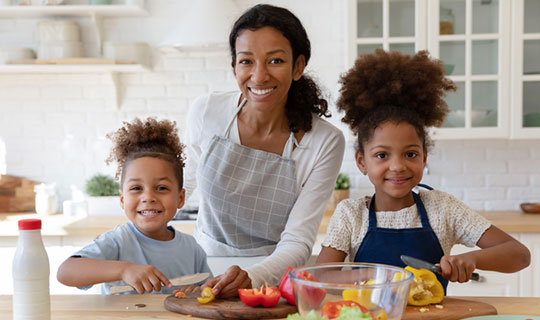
point(58, 50)
point(10, 54)
point(131, 52)
point(57, 30)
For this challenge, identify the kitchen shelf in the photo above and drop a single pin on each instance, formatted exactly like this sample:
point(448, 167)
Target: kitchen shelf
point(68, 68)
point(111, 69)
point(72, 10)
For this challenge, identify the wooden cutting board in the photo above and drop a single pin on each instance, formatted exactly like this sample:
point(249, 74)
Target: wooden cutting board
point(453, 309)
point(17, 194)
point(226, 309)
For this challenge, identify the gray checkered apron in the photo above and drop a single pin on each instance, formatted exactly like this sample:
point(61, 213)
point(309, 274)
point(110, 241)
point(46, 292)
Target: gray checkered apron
point(246, 196)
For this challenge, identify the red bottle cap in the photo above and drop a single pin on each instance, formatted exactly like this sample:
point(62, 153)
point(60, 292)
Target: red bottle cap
point(29, 224)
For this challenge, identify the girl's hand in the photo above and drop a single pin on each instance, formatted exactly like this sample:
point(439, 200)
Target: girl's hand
point(144, 278)
point(458, 268)
point(227, 284)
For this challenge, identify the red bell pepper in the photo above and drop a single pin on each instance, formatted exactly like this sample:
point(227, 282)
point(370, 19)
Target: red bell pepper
point(265, 296)
point(312, 295)
point(286, 287)
point(333, 309)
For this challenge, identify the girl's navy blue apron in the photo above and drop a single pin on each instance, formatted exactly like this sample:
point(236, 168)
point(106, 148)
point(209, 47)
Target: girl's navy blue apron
point(384, 245)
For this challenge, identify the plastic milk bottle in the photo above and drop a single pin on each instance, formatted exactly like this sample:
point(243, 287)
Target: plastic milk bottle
point(31, 298)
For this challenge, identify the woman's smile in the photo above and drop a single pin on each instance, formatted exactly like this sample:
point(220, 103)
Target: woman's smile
point(261, 92)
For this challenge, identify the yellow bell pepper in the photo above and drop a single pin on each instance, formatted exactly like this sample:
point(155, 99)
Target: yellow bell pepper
point(206, 296)
point(361, 296)
point(425, 288)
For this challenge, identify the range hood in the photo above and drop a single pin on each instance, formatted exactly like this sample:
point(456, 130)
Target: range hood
point(206, 24)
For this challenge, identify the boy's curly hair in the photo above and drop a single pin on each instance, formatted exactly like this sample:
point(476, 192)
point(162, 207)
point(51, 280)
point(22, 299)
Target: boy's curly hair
point(391, 86)
point(148, 138)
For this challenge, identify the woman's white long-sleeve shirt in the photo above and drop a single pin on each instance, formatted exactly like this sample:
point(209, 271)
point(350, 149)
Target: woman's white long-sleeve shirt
point(318, 160)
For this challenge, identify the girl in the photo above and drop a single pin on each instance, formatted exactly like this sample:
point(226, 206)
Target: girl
point(389, 100)
point(145, 252)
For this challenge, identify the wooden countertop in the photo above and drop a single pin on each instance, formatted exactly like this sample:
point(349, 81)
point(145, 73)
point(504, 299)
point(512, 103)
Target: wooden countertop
point(85, 227)
point(91, 227)
point(508, 221)
point(98, 307)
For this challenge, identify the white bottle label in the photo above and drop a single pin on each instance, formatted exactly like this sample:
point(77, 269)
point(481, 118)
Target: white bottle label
point(31, 299)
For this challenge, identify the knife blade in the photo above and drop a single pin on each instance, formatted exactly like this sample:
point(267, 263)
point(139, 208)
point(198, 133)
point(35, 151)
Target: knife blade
point(180, 281)
point(419, 264)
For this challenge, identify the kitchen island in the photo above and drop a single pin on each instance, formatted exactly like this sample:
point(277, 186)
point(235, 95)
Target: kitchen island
point(98, 307)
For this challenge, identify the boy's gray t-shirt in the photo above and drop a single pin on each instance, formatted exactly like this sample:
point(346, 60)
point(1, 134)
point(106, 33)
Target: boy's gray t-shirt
point(177, 257)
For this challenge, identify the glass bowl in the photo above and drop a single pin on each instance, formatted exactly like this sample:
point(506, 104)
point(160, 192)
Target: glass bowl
point(381, 289)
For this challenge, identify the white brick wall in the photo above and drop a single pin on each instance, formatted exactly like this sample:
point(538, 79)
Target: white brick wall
point(54, 125)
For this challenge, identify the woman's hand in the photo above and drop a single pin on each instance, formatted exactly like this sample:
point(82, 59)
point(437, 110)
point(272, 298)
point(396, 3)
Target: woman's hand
point(227, 284)
point(144, 278)
point(458, 268)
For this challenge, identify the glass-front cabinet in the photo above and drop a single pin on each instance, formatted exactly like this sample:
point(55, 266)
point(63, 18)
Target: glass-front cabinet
point(386, 24)
point(489, 48)
point(526, 69)
point(472, 39)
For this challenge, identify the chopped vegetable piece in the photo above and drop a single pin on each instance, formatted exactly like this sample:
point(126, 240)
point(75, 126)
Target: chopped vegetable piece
point(425, 288)
point(206, 296)
point(312, 295)
point(265, 296)
point(333, 309)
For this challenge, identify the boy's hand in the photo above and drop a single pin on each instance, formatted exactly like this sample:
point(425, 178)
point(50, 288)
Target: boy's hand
point(458, 268)
point(227, 284)
point(188, 289)
point(144, 278)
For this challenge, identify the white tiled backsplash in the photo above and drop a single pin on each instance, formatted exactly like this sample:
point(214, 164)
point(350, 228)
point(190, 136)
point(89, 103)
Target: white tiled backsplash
point(54, 125)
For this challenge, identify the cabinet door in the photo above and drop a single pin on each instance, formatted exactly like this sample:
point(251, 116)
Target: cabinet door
point(396, 25)
point(526, 69)
point(492, 284)
point(530, 281)
point(471, 37)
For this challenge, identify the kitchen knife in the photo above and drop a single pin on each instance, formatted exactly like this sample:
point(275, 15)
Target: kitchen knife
point(180, 281)
point(419, 264)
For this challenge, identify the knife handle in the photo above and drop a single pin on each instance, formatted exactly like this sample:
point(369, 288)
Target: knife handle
point(475, 277)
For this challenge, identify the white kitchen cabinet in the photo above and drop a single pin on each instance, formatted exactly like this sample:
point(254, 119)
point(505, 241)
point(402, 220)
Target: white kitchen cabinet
point(472, 37)
point(525, 69)
point(387, 24)
point(491, 284)
point(530, 280)
point(490, 48)
point(525, 283)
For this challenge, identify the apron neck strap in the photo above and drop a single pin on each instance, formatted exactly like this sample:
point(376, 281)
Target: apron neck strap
point(419, 206)
point(231, 121)
point(289, 146)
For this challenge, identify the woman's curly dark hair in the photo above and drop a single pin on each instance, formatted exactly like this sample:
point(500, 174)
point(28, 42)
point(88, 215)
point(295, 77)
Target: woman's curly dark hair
point(305, 97)
point(391, 86)
point(148, 138)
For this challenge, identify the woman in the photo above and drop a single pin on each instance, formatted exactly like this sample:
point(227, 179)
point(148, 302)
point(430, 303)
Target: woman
point(264, 161)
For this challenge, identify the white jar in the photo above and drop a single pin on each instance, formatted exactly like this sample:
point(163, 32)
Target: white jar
point(31, 297)
point(45, 198)
point(57, 31)
point(59, 50)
